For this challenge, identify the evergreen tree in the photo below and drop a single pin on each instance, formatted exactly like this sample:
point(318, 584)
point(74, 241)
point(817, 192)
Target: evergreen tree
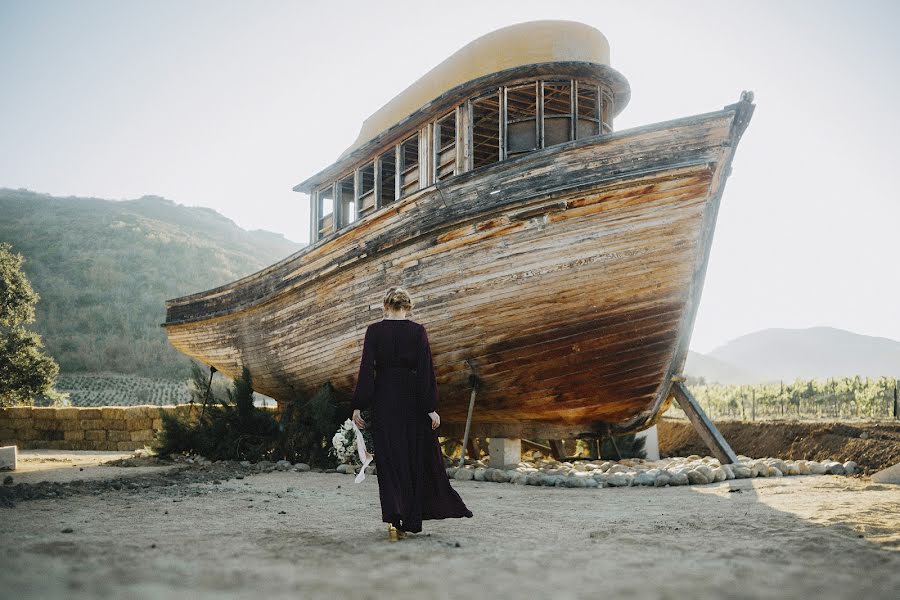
point(25, 371)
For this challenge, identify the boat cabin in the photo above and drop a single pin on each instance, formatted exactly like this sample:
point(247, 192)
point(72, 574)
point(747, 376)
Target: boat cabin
point(512, 92)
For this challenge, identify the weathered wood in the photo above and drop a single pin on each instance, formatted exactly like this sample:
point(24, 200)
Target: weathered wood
point(557, 449)
point(702, 424)
point(572, 288)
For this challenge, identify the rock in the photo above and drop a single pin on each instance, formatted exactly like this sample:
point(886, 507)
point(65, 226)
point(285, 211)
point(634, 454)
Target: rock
point(718, 474)
point(834, 468)
point(451, 471)
point(464, 474)
point(371, 470)
point(662, 480)
point(697, 477)
point(346, 469)
point(617, 468)
point(775, 472)
point(499, 476)
point(548, 480)
point(850, 467)
point(679, 478)
point(816, 468)
point(533, 478)
point(742, 472)
point(478, 474)
point(890, 475)
point(618, 480)
point(283, 465)
point(729, 471)
point(590, 482)
point(645, 478)
point(245, 463)
point(760, 469)
point(792, 468)
point(518, 478)
point(537, 455)
point(301, 467)
point(803, 467)
point(778, 464)
point(864, 435)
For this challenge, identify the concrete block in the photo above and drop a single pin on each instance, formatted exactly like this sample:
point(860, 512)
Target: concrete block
point(8, 458)
point(651, 442)
point(504, 451)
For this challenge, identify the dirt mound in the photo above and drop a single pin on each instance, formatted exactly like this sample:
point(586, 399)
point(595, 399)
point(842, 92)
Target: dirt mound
point(874, 446)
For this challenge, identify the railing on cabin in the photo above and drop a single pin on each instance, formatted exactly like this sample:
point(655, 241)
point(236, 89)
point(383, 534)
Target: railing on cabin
point(490, 127)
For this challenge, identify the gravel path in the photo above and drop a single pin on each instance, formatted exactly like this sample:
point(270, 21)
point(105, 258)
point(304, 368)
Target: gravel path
point(199, 531)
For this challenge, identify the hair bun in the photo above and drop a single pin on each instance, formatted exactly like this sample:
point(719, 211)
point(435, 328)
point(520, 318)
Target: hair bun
point(397, 298)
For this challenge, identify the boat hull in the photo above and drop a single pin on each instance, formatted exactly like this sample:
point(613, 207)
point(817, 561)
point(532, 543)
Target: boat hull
point(566, 281)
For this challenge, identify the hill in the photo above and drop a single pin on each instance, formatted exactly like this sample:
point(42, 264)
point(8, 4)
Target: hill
point(773, 355)
point(104, 268)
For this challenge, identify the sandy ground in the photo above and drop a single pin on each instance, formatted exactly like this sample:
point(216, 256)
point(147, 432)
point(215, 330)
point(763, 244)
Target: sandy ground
point(319, 535)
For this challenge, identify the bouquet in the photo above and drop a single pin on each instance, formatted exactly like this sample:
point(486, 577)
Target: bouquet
point(344, 446)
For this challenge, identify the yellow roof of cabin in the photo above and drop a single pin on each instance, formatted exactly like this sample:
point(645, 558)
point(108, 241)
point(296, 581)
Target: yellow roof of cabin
point(514, 46)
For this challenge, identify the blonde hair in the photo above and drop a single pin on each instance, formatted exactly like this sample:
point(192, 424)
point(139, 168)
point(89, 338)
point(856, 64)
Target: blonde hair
point(397, 298)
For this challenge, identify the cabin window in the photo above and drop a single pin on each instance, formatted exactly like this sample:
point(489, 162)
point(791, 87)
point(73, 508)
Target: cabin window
point(325, 199)
point(366, 200)
point(445, 147)
point(387, 177)
point(346, 202)
point(607, 111)
point(557, 112)
point(409, 165)
point(588, 109)
point(521, 119)
point(486, 130)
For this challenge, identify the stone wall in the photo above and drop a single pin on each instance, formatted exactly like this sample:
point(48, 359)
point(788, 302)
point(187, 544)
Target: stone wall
point(74, 428)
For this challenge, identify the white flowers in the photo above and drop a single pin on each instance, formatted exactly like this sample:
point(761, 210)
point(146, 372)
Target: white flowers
point(343, 444)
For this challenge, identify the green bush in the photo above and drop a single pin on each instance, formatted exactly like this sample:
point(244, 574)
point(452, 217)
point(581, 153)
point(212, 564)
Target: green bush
point(307, 426)
point(228, 429)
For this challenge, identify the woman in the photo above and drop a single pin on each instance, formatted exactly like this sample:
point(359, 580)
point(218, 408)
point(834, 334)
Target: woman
point(396, 378)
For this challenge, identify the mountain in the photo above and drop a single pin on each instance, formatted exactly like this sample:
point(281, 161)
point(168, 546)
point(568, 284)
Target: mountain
point(772, 355)
point(104, 268)
point(716, 371)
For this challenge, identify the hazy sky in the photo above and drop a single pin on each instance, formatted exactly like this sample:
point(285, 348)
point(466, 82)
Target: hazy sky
point(230, 104)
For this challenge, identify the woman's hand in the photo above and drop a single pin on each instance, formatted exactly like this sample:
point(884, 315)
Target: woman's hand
point(358, 419)
point(435, 419)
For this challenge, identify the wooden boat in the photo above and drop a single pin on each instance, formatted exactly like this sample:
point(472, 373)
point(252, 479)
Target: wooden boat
point(555, 262)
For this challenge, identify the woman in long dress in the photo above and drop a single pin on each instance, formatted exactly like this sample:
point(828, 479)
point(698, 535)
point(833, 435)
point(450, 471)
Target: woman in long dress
point(396, 378)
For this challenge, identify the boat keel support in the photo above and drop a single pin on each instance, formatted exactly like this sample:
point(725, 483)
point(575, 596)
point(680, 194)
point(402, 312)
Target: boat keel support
point(702, 424)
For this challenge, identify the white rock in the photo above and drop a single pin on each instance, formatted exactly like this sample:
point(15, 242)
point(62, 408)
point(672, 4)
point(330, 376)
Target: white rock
point(697, 477)
point(645, 478)
point(499, 476)
point(478, 474)
point(464, 474)
point(662, 480)
point(803, 467)
point(679, 478)
point(301, 467)
point(850, 467)
point(618, 480)
point(742, 472)
point(816, 468)
point(834, 468)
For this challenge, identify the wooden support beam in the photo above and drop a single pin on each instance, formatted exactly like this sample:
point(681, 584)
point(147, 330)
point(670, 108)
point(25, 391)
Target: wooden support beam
point(530, 445)
point(557, 449)
point(702, 424)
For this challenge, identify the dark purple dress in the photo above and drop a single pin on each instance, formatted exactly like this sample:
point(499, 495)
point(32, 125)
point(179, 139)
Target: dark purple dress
point(396, 378)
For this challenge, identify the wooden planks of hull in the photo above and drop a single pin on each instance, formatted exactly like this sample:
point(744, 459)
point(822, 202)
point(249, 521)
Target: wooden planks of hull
point(565, 280)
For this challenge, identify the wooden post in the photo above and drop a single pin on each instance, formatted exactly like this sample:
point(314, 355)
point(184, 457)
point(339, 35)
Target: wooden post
point(704, 427)
point(557, 449)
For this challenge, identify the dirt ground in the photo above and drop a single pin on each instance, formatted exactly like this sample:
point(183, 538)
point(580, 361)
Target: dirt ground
point(872, 445)
point(223, 531)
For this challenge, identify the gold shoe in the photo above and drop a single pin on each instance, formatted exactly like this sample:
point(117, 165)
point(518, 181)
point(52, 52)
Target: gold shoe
point(392, 533)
